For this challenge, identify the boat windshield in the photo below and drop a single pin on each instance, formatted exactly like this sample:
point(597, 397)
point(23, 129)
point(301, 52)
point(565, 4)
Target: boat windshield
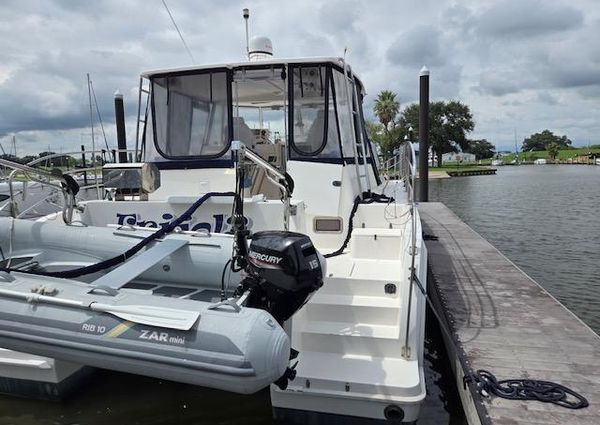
point(191, 115)
point(294, 111)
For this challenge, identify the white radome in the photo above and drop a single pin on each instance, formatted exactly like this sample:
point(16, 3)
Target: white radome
point(260, 48)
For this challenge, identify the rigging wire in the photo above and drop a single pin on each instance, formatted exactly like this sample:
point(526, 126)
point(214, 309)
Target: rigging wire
point(99, 116)
point(179, 32)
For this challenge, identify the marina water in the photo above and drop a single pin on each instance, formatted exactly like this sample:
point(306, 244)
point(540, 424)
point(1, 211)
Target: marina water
point(545, 219)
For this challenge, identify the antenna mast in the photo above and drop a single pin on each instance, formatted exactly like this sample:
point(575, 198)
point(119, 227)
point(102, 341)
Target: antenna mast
point(246, 14)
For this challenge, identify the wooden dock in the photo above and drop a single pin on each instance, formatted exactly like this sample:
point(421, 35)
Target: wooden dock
point(464, 173)
point(505, 322)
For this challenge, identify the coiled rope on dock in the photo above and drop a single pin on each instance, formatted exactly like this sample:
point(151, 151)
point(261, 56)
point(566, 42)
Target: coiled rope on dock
point(525, 389)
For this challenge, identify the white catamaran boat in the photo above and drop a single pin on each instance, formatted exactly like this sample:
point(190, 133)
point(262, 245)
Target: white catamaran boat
point(276, 149)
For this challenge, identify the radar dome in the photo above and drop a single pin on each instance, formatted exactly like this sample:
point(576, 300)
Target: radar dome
point(260, 48)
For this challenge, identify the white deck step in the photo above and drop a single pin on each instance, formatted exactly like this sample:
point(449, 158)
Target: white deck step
point(353, 286)
point(355, 300)
point(347, 329)
point(353, 309)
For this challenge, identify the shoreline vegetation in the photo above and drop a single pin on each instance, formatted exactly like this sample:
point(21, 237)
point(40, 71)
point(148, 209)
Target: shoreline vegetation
point(576, 156)
point(583, 155)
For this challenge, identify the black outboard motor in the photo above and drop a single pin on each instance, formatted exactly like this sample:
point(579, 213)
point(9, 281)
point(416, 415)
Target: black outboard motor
point(283, 270)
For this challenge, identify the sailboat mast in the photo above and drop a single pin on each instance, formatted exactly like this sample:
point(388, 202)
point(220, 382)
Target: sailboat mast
point(89, 83)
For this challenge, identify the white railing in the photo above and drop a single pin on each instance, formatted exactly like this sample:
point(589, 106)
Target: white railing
point(57, 183)
point(403, 166)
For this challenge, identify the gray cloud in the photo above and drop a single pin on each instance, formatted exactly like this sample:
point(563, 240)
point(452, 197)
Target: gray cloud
point(547, 98)
point(527, 18)
point(416, 47)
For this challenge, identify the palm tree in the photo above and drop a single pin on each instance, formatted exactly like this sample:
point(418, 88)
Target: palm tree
point(386, 108)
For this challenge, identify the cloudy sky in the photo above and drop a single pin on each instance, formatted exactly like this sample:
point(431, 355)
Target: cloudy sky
point(521, 65)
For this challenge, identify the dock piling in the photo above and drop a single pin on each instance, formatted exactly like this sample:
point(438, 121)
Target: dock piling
point(424, 135)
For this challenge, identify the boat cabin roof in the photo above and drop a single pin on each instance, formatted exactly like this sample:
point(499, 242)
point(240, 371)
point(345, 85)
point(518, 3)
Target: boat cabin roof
point(249, 64)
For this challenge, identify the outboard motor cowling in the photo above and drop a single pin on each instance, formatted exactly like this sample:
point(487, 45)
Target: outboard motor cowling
point(283, 270)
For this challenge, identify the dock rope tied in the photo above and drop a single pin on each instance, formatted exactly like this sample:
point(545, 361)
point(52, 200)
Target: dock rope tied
point(525, 389)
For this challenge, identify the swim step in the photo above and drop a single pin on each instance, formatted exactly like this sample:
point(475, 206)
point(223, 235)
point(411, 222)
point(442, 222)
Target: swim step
point(357, 376)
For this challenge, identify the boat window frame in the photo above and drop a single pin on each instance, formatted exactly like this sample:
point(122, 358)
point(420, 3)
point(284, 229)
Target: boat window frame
point(228, 84)
point(250, 67)
point(292, 148)
point(370, 154)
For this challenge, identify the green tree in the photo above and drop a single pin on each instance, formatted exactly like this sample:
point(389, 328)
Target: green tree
point(386, 133)
point(482, 149)
point(448, 121)
point(386, 108)
point(553, 149)
point(28, 158)
point(541, 141)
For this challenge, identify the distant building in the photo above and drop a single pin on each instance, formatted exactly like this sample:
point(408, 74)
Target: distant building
point(458, 157)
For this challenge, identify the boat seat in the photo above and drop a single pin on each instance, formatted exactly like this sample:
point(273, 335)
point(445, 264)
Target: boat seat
point(243, 133)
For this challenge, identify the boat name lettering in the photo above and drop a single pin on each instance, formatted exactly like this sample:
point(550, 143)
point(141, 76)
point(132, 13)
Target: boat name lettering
point(161, 337)
point(221, 223)
point(272, 259)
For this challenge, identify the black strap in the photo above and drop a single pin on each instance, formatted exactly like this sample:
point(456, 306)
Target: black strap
point(369, 199)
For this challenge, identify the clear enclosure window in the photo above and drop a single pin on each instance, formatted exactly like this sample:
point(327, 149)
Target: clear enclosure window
point(314, 127)
point(191, 115)
point(259, 107)
point(344, 110)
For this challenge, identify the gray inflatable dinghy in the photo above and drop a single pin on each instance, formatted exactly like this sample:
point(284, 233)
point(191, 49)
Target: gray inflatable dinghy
point(235, 349)
point(236, 344)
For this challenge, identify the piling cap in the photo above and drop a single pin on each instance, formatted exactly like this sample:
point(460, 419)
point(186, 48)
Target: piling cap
point(118, 95)
point(424, 71)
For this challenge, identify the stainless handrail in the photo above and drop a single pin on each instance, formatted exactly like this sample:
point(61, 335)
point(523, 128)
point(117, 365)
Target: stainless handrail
point(403, 166)
point(271, 172)
point(42, 177)
point(74, 153)
point(407, 169)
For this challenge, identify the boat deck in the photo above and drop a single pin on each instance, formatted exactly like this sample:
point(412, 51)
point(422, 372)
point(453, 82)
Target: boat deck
point(505, 322)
